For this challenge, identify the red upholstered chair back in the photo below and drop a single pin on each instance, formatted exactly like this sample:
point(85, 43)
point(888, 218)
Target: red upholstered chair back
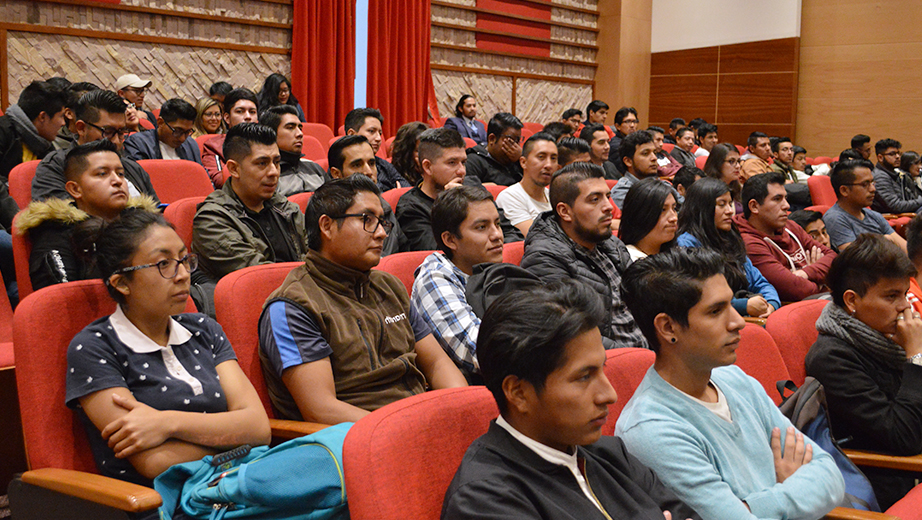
point(145, 124)
point(822, 159)
point(22, 249)
point(313, 149)
point(494, 189)
point(667, 147)
point(399, 460)
point(392, 196)
point(21, 182)
point(821, 208)
point(200, 140)
point(174, 180)
point(319, 131)
point(301, 199)
point(821, 192)
point(625, 369)
point(384, 151)
point(181, 213)
point(513, 252)
point(43, 326)
point(403, 266)
point(699, 161)
point(238, 301)
point(526, 133)
point(759, 357)
point(534, 128)
point(793, 327)
point(469, 143)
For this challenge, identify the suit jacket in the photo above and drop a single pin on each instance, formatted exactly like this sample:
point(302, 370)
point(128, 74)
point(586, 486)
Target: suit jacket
point(457, 123)
point(146, 145)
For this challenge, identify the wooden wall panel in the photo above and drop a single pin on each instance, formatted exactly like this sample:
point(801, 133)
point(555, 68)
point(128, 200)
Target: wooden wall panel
point(683, 96)
point(756, 98)
point(690, 61)
point(763, 56)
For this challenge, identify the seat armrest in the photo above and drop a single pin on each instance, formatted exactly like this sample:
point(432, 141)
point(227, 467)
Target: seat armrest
point(758, 321)
point(882, 460)
point(98, 489)
point(285, 430)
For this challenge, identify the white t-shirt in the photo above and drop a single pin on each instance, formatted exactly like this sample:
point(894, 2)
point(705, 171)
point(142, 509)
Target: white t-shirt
point(636, 254)
point(701, 152)
point(168, 152)
point(519, 206)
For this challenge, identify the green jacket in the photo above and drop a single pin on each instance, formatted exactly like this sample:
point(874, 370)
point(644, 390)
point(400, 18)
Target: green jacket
point(227, 238)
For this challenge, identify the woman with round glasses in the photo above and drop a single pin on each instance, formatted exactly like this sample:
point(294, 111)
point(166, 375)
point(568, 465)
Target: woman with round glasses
point(277, 91)
point(155, 387)
point(208, 119)
point(724, 164)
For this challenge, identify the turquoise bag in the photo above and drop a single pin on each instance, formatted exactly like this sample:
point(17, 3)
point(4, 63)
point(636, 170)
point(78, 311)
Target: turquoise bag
point(301, 479)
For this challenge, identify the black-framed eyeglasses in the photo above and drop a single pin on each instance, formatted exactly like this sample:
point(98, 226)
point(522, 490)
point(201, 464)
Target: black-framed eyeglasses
point(865, 184)
point(370, 221)
point(895, 153)
point(137, 90)
point(168, 267)
point(108, 132)
point(179, 133)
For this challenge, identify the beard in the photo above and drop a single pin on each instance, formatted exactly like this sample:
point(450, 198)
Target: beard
point(592, 234)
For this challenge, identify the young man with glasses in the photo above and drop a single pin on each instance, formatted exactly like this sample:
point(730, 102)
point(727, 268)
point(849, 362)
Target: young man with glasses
point(338, 339)
point(247, 222)
point(626, 121)
point(133, 89)
point(100, 114)
point(498, 161)
point(170, 140)
point(850, 216)
point(240, 106)
point(896, 190)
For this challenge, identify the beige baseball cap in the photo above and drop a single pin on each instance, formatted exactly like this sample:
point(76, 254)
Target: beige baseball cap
point(131, 80)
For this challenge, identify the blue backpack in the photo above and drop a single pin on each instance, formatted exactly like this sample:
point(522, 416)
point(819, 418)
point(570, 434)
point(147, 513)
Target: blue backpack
point(301, 479)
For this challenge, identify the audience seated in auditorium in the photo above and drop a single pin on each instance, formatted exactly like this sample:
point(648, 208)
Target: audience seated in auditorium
point(170, 140)
point(352, 155)
point(911, 164)
point(685, 177)
point(297, 174)
point(626, 121)
point(247, 222)
point(850, 216)
point(795, 181)
point(572, 149)
point(209, 118)
point(785, 254)
point(277, 91)
point(140, 416)
point(240, 106)
point(574, 241)
point(466, 226)
point(572, 117)
point(465, 120)
point(684, 143)
point(649, 218)
point(596, 114)
point(666, 165)
point(28, 128)
point(525, 200)
point(367, 122)
point(404, 156)
point(706, 220)
point(862, 144)
point(707, 139)
point(896, 190)
point(498, 161)
point(672, 132)
point(338, 339)
point(723, 164)
point(755, 161)
point(544, 457)
point(96, 188)
point(812, 222)
point(557, 130)
point(99, 114)
point(638, 154)
point(868, 356)
point(67, 135)
point(219, 90)
point(599, 145)
point(133, 90)
point(707, 429)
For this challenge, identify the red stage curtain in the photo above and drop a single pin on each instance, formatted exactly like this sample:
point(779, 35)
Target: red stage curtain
point(398, 61)
point(323, 59)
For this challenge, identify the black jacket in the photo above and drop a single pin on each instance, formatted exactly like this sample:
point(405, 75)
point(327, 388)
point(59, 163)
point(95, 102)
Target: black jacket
point(500, 477)
point(480, 168)
point(896, 192)
point(49, 177)
point(388, 176)
point(10, 147)
point(614, 152)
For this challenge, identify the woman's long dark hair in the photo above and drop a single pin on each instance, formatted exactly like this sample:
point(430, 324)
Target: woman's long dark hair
point(697, 219)
point(641, 211)
point(404, 146)
point(713, 168)
point(269, 95)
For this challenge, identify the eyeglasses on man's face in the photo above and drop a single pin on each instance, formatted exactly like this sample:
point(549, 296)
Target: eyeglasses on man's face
point(370, 221)
point(179, 133)
point(108, 132)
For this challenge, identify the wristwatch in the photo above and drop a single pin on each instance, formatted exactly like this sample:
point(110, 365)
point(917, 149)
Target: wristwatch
point(916, 359)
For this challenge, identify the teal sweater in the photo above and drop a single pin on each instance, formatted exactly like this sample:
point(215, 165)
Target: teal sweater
point(713, 465)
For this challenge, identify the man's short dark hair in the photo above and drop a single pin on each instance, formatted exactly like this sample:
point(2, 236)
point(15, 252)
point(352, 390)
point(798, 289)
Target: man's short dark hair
point(535, 139)
point(705, 129)
point(882, 145)
point(914, 239)
point(589, 130)
point(333, 198)
point(524, 333)
point(434, 140)
point(669, 282)
point(570, 147)
point(176, 109)
point(236, 95)
point(240, 138)
point(75, 161)
point(630, 143)
point(557, 129)
point(805, 217)
point(697, 122)
point(595, 106)
point(41, 96)
point(850, 154)
point(75, 91)
point(754, 138)
point(686, 176)
point(844, 173)
point(564, 185)
point(866, 261)
point(684, 130)
point(336, 156)
point(756, 188)
point(273, 116)
point(677, 122)
point(450, 209)
point(89, 105)
point(798, 149)
point(59, 82)
point(570, 112)
point(220, 88)
point(776, 143)
point(502, 121)
point(356, 117)
point(656, 129)
point(860, 140)
point(623, 112)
